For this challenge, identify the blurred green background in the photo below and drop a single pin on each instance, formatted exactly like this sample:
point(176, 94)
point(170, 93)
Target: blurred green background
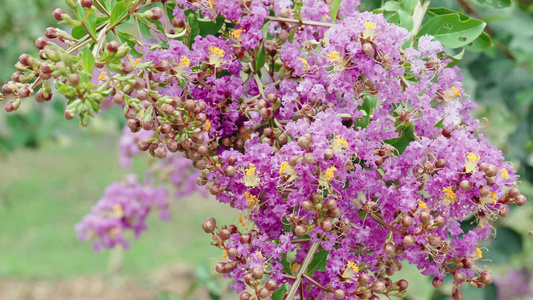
point(53, 172)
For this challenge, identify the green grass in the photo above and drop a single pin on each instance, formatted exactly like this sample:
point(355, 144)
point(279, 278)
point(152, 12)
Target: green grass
point(45, 192)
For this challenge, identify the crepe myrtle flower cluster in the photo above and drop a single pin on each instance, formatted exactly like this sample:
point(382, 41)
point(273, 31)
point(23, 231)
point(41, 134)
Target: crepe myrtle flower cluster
point(346, 154)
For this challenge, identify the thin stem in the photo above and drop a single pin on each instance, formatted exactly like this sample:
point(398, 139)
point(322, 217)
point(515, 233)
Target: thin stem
point(303, 270)
point(303, 22)
point(316, 283)
point(97, 3)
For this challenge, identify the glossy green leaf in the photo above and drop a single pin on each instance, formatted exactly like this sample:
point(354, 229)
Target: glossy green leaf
point(406, 137)
point(87, 60)
point(506, 243)
point(318, 262)
point(335, 9)
point(194, 26)
point(280, 292)
point(260, 59)
point(211, 28)
point(497, 3)
point(120, 10)
point(78, 32)
point(402, 19)
point(144, 28)
point(453, 30)
point(482, 43)
point(81, 11)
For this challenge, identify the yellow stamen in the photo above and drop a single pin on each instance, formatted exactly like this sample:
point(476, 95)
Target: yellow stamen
point(329, 173)
point(493, 197)
point(225, 254)
point(505, 174)
point(479, 253)
point(251, 179)
point(473, 157)
point(259, 254)
point(339, 144)
point(306, 64)
point(136, 62)
point(333, 55)
point(353, 266)
point(102, 76)
point(284, 166)
point(185, 61)
point(251, 198)
point(423, 205)
point(217, 51)
point(207, 125)
point(450, 194)
point(456, 91)
point(236, 33)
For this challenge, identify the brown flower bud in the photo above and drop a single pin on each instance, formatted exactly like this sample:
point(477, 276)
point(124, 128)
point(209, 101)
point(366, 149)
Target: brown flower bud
point(257, 273)
point(424, 217)
point(466, 185)
point(368, 49)
point(41, 42)
point(326, 225)
point(402, 284)
point(309, 158)
point(230, 171)
point(520, 200)
point(245, 296)
point(163, 66)
point(460, 277)
point(491, 170)
point(59, 14)
point(134, 125)
point(328, 153)
point(86, 3)
point(389, 249)
point(221, 267)
point(300, 230)
point(407, 221)
point(437, 283)
point(157, 13)
point(378, 286)
point(339, 294)
point(304, 142)
point(441, 163)
point(409, 240)
point(504, 211)
point(209, 226)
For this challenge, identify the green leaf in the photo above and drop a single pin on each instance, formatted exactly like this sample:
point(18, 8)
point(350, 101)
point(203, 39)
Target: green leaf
point(280, 292)
point(409, 5)
point(120, 10)
point(363, 215)
point(335, 9)
point(88, 60)
point(318, 262)
point(497, 3)
point(110, 4)
point(402, 19)
point(91, 23)
point(81, 11)
point(211, 28)
point(78, 32)
point(260, 59)
point(506, 243)
point(145, 28)
point(452, 30)
point(482, 43)
point(286, 265)
point(194, 26)
point(406, 137)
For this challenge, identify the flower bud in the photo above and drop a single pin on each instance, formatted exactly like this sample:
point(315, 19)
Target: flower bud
point(308, 205)
point(86, 3)
point(328, 153)
point(134, 125)
point(459, 277)
point(409, 240)
point(437, 282)
point(245, 296)
point(520, 200)
point(326, 225)
point(378, 286)
point(457, 293)
point(304, 142)
point(300, 230)
point(246, 238)
point(221, 268)
point(59, 14)
point(41, 42)
point(504, 211)
point(127, 67)
point(230, 171)
point(330, 204)
point(484, 191)
point(368, 49)
point(434, 240)
point(389, 249)
point(441, 163)
point(257, 273)
point(339, 294)
point(486, 277)
point(402, 284)
point(424, 217)
point(265, 113)
point(309, 158)
point(407, 221)
point(491, 171)
point(334, 213)
point(163, 66)
point(160, 152)
point(157, 13)
point(263, 293)
point(466, 185)
point(208, 226)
